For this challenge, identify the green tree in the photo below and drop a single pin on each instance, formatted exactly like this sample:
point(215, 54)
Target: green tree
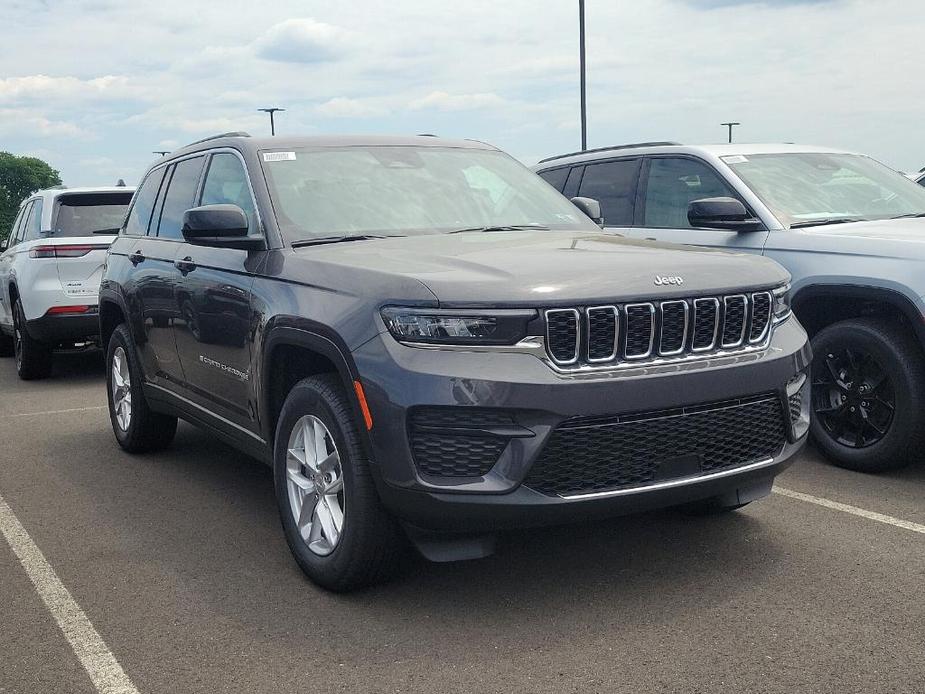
point(19, 178)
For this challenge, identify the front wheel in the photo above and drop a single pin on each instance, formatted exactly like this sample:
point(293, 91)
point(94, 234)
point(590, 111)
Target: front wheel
point(333, 520)
point(137, 427)
point(868, 376)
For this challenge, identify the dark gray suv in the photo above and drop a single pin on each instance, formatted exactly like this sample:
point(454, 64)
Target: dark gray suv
point(427, 342)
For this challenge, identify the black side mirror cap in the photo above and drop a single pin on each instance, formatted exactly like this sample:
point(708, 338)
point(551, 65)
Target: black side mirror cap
point(721, 213)
point(219, 226)
point(591, 208)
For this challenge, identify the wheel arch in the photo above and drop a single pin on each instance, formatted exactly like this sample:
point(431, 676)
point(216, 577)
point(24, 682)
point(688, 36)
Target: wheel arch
point(817, 306)
point(291, 353)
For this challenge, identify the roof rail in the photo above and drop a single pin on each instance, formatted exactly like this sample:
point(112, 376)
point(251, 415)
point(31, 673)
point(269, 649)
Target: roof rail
point(236, 133)
point(608, 149)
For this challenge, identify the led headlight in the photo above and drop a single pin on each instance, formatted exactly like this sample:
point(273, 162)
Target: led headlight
point(781, 303)
point(457, 327)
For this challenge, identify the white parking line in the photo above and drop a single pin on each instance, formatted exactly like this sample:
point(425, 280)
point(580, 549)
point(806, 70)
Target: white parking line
point(48, 412)
point(101, 665)
point(853, 510)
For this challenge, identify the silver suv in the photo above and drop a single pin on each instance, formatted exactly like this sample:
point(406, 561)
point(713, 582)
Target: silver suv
point(850, 231)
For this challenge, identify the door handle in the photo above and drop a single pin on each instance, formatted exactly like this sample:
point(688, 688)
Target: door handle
point(186, 265)
point(137, 257)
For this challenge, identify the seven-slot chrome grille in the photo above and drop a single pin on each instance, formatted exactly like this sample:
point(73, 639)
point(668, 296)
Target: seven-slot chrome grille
point(601, 336)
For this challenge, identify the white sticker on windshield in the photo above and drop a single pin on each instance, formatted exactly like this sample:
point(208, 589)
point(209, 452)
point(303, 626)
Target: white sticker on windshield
point(279, 156)
point(735, 159)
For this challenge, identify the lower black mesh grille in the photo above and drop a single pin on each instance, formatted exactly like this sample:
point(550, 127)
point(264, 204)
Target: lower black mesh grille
point(795, 403)
point(453, 442)
point(639, 319)
point(608, 453)
point(562, 335)
point(674, 327)
point(734, 320)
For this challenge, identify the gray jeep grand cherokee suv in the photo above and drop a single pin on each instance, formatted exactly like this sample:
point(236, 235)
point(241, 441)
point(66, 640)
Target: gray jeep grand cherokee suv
point(426, 341)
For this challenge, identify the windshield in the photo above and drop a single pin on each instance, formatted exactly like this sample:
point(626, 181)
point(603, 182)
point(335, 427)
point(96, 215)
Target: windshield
point(88, 214)
point(387, 190)
point(803, 187)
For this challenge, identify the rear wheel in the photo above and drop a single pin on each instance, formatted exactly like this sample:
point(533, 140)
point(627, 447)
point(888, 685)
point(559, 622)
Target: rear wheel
point(33, 358)
point(868, 376)
point(137, 427)
point(333, 520)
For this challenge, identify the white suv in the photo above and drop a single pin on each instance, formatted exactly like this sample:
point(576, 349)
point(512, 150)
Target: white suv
point(50, 270)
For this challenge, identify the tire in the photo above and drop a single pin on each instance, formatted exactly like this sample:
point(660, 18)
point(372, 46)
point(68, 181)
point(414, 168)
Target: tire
point(369, 545)
point(33, 358)
point(886, 386)
point(142, 430)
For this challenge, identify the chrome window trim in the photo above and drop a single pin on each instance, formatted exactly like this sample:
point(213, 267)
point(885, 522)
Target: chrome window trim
point(767, 325)
point(712, 344)
point(742, 334)
point(577, 316)
point(626, 310)
point(616, 333)
point(661, 332)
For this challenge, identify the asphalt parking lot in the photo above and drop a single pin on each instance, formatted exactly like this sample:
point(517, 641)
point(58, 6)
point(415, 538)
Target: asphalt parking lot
point(177, 561)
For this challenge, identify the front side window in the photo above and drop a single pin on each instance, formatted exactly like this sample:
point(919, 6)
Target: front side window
point(85, 214)
point(226, 184)
point(806, 188)
point(613, 184)
point(181, 196)
point(672, 184)
point(140, 216)
point(405, 190)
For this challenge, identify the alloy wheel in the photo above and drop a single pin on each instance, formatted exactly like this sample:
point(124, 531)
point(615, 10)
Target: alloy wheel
point(121, 389)
point(315, 483)
point(17, 344)
point(853, 397)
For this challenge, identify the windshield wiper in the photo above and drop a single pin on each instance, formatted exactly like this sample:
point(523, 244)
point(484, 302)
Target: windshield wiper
point(502, 227)
point(107, 231)
point(911, 215)
point(825, 221)
point(338, 239)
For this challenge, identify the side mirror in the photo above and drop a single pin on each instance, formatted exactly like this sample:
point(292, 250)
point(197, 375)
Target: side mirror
point(721, 213)
point(4, 244)
point(591, 209)
point(219, 226)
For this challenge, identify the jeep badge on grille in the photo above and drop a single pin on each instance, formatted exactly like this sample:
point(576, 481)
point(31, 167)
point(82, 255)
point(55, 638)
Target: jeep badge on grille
point(661, 280)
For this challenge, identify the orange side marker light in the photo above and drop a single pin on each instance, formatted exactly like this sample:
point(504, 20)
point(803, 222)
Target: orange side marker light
point(364, 407)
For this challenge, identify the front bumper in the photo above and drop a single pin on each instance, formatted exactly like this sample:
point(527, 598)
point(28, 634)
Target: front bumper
point(397, 379)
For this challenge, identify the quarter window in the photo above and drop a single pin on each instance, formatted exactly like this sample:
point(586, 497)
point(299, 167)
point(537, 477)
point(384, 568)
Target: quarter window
point(181, 196)
point(613, 184)
point(673, 183)
point(140, 216)
point(32, 229)
point(226, 184)
point(556, 177)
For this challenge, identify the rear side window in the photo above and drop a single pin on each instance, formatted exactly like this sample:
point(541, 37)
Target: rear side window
point(226, 184)
point(181, 196)
point(33, 226)
point(613, 184)
point(85, 214)
point(555, 177)
point(140, 216)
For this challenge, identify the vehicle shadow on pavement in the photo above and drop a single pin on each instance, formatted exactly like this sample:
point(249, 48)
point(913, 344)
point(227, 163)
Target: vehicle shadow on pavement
point(86, 366)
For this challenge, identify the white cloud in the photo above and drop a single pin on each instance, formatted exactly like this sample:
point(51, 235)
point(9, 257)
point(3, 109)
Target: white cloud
point(34, 124)
point(33, 87)
point(302, 40)
point(444, 101)
point(343, 107)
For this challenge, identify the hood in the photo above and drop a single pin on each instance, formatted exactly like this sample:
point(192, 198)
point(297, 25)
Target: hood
point(536, 268)
point(910, 230)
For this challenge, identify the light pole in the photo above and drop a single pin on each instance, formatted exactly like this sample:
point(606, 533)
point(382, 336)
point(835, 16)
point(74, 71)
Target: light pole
point(730, 125)
point(271, 111)
point(581, 62)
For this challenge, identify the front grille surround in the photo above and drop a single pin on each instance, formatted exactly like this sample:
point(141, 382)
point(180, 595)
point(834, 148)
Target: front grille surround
point(624, 335)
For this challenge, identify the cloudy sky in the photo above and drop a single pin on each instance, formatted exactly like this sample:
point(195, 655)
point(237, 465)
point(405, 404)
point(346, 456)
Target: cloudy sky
point(93, 86)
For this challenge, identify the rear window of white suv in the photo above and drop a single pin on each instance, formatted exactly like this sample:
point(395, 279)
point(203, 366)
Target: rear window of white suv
point(89, 213)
